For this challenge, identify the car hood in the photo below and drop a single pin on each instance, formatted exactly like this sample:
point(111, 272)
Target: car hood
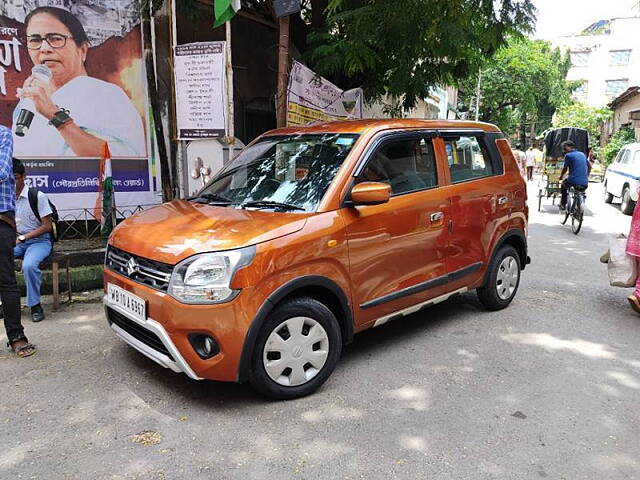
point(176, 230)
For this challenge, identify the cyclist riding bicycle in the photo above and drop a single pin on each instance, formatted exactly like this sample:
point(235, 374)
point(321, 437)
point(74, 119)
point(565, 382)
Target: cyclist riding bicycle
point(579, 168)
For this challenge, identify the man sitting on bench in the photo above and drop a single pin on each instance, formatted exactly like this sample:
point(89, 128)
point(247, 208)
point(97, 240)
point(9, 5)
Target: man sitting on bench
point(33, 243)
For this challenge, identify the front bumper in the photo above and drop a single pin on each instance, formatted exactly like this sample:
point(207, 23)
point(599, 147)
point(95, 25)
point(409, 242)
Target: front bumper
point(172, 322)
point(174, 361)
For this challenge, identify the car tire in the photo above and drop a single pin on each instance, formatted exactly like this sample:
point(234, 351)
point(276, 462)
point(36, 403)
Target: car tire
point(608, 197)
point(285, 371)
point(627, 205)
point(503, 279)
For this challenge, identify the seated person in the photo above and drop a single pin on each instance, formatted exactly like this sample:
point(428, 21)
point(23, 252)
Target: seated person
point(33, 242)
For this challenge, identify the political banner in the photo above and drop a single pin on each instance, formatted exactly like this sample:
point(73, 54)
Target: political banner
point(200, 90)
point(312, 98)
point(72, 77)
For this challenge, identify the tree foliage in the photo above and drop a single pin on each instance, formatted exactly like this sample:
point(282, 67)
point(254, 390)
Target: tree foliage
point(402, 48)
point(619, 139)
point(521, 85)
point(582, 116)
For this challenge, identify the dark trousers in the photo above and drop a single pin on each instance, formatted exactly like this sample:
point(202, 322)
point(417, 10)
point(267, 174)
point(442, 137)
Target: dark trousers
point(564, 191)
point(529, 173)
point(8, 285)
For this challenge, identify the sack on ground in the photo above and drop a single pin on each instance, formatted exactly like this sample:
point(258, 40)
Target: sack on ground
point(622, 268)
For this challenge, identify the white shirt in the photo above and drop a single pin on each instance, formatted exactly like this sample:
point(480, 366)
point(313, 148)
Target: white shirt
point(531, 158)
point(99, 108)
point(26, 220)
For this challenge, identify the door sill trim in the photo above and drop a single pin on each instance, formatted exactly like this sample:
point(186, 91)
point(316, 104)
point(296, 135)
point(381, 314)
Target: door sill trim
point(415, 308)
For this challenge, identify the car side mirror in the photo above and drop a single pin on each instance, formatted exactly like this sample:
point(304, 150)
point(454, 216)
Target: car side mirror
point(370, 193)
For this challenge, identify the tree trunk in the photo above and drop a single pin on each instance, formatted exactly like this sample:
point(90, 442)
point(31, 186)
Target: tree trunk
point(167, 188)
point(523, 130)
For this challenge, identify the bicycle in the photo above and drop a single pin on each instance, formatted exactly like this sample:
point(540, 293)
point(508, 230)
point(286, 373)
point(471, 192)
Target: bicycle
point(576, 199)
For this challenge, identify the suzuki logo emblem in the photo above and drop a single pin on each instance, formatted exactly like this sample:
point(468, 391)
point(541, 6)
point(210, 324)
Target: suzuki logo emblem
point(132, 266)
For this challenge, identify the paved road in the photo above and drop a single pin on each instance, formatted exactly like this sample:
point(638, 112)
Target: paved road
point(548, 388)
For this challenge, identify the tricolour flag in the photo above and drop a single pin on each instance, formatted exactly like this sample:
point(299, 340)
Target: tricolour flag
point(224, 10)
point(105, 209)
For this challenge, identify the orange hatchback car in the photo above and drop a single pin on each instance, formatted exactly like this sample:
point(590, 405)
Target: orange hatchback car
point(311, 235)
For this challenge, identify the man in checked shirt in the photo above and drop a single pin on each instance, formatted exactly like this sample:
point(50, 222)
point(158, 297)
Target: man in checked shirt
point(8, 285)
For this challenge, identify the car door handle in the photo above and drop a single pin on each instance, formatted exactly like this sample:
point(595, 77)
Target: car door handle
point(503, 200)
point(436, 217)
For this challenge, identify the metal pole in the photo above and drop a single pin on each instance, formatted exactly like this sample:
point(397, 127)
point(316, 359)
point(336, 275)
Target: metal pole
point(283, 71)
point(231, 136)
point(478, 95)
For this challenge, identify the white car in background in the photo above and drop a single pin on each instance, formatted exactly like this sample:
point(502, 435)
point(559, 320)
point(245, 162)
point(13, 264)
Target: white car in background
point(622, 178)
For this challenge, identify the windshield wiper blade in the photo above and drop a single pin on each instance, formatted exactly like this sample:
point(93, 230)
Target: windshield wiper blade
point(271, 204)
point(211, 198)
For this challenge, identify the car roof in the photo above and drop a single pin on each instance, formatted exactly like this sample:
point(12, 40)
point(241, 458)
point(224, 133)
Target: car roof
point(362, 126)
point(632, 146)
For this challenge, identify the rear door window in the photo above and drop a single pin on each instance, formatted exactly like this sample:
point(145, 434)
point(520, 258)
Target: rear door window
point(468, 158)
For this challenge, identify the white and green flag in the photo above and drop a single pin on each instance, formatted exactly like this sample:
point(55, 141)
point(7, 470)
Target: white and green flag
point(224, 10)
point(105, 209)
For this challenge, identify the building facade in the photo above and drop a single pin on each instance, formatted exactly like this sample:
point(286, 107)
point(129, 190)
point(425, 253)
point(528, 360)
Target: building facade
point(605, 58)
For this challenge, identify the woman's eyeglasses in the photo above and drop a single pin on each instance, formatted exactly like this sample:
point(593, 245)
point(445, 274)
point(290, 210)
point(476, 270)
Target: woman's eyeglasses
point(55, 40)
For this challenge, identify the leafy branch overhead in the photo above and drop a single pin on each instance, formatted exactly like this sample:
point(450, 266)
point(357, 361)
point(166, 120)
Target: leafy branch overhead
point(523, 83)
point(403, 48)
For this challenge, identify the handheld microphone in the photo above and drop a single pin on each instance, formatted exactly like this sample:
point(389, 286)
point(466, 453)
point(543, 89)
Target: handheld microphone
point(27, 112)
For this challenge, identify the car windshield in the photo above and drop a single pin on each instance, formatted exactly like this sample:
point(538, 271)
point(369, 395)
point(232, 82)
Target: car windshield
point(282, 173)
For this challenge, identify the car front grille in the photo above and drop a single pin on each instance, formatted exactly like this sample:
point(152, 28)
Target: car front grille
point(142, 270)
point(138, 332)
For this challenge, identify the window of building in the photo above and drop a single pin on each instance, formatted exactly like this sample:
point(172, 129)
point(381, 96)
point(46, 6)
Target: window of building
point(406, 165)
point(582, 89)
point(616, 87)
point(579, 59)
point(467, 159)
point(619, 57)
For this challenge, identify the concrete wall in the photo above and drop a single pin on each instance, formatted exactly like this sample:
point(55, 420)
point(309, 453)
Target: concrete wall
point(598, 68)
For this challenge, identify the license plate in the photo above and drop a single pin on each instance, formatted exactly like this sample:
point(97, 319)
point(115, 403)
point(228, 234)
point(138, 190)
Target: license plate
point(130, 303)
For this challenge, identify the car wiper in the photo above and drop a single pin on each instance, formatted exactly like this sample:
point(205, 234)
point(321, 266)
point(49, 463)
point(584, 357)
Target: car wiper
point(211, 198)
point(271, 204)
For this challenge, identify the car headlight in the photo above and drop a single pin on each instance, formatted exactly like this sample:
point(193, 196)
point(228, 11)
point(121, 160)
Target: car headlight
point(205, 278)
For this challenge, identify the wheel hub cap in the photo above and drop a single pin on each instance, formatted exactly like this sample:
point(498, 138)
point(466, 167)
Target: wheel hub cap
point(295, 351)
point(507, 278)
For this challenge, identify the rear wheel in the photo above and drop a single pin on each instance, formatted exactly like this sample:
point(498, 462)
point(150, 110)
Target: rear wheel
point(577, 216)
point(608, 198)
point(298, 348)
point(503, 279)
point(627, 204)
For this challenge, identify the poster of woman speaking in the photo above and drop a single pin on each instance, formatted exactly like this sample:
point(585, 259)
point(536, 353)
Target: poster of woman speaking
point(71, 78)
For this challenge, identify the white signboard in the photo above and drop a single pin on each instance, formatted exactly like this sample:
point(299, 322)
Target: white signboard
point(200, 90)
point(312, 98)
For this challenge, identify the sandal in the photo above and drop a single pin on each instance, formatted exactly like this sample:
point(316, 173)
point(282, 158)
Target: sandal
point(22, 351)
point(635, 303)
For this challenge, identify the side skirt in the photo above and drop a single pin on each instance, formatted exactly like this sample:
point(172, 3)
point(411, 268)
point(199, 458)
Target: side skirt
point(415, 308)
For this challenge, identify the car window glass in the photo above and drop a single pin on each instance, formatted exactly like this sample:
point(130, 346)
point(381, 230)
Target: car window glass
point(625, 157)
point(405, 165)
point(467, 159)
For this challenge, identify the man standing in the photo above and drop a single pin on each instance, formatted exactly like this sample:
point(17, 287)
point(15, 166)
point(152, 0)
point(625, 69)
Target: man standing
point(33, 244)
point(531, 162)
point(520, 158)
point(8, 285)
point(578, 166)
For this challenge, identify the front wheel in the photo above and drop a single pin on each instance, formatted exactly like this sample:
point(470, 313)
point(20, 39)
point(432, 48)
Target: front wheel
point(608, 197)
point(297, 349)
point(627, 204)
point(503, 279)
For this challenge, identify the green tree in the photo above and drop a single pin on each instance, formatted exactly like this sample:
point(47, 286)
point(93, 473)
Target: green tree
point(619, 139)
point(582, 116)
point(521, 86)
point(402, 48)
